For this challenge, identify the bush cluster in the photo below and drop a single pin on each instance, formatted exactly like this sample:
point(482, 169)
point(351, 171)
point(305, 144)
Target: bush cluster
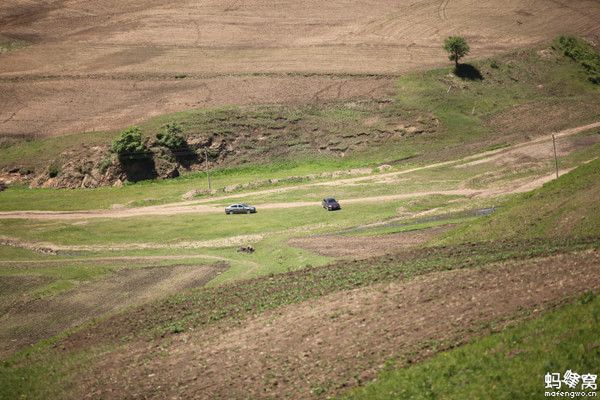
point(171, 137)
point(583, 53)
point(129, 145)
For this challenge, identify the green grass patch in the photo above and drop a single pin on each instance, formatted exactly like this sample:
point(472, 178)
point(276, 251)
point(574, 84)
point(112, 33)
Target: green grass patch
point(190, 227)
point(272, 256)
point(16, 253)
point(40, 372)
point(39, 152)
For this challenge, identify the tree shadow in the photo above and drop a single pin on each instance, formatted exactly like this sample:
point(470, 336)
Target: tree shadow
point(185, 156)
point(140, 169)
point(468, 71)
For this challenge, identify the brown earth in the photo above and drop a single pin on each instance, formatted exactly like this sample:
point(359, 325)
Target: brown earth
point(57, 105)
point(24, 322)
point(340, 340)
point(106, 64)
point(526, 117)
point(146, 260)
point(359, 247)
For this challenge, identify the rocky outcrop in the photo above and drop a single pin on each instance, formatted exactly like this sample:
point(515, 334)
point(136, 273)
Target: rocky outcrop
point(237, 140)
point(96, 166)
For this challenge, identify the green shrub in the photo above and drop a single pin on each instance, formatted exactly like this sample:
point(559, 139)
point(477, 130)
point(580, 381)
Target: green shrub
point(171, 137)
point(129, 145)
point(583, 53)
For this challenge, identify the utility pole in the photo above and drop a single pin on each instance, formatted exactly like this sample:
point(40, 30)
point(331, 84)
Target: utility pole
point(207, 170)
point(555, 157)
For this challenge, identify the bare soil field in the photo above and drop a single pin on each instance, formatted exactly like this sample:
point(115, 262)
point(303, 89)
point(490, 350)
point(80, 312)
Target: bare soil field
point(25, 322)
point(293, 351)
point(62, 105)
point(105, 64)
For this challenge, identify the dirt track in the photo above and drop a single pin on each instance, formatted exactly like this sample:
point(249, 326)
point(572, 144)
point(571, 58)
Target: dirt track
point(537, 147)
point(288, 352)
point(107, 63)
point(26, 322)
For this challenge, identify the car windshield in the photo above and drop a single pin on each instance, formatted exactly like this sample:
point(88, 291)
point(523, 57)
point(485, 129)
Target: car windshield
point(244, 205)
point(330, 200)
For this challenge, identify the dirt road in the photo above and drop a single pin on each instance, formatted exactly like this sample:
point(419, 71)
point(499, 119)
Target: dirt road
point(201, 207)
point(343, 339)
point(123, 62)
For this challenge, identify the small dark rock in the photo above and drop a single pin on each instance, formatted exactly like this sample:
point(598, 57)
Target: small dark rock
point(246, 249)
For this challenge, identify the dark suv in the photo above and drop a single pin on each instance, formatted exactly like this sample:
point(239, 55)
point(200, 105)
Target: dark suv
point(330, 204)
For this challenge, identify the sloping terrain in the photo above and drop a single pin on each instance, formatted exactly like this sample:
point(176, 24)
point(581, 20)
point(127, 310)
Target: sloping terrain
point(108, 294)
point(359, 247)
point(340, 340)
point(428, 116)
point(313, 332)
point(25, 321)
point(565, 207)
point(106, 64)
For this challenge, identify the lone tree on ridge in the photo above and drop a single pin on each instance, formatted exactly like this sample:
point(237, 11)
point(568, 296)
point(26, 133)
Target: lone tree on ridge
point(458, 47)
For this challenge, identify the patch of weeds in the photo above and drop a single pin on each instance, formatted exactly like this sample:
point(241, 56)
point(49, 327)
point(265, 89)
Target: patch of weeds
point(175, 328)
point(9, 44)
point(587, 297)
point(581, 52)
point(26, 171)
point(106, 163)
point(318, 390)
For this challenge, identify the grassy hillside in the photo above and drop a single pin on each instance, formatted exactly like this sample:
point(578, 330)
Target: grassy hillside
point(566, 207)
point(434, 116)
